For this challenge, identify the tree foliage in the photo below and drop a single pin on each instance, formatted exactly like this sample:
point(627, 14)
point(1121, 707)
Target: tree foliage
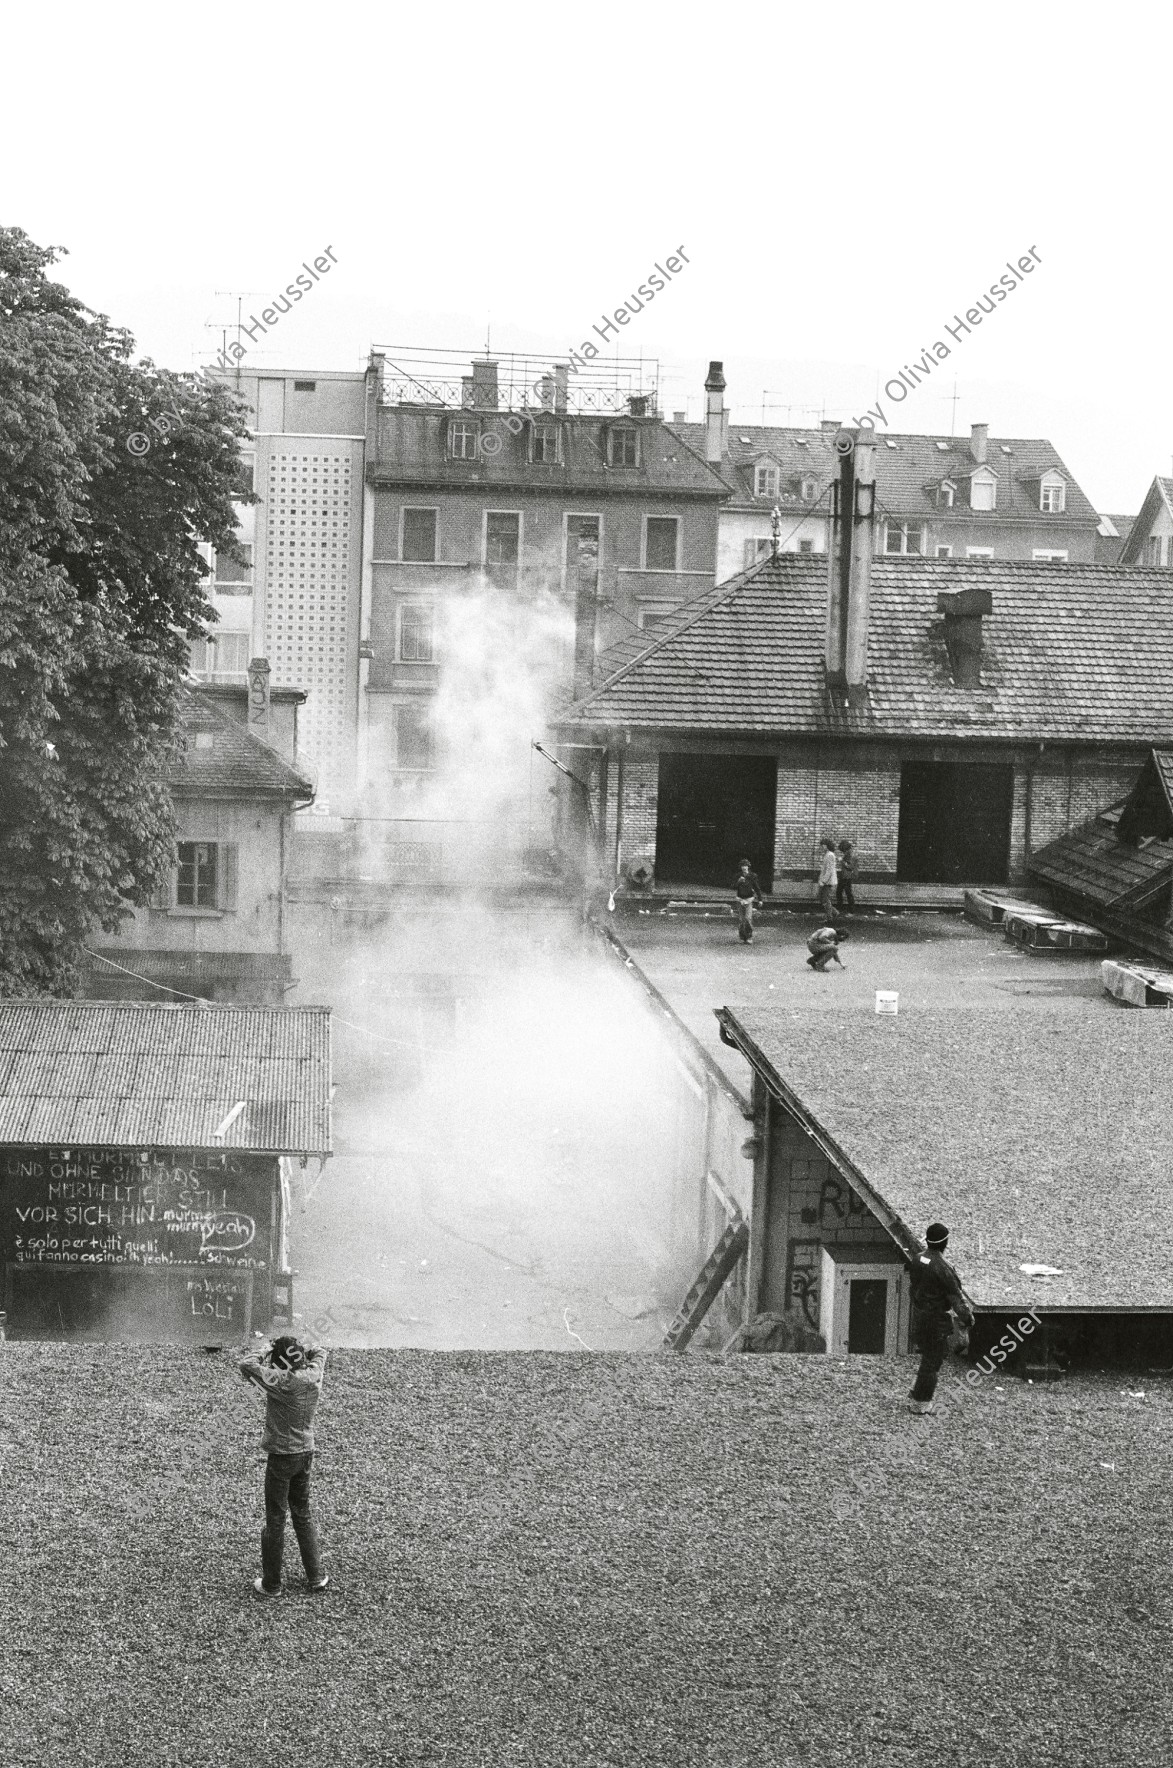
point(100, 594)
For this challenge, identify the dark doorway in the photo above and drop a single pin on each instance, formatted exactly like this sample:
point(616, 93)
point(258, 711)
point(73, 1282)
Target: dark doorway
point(954, 822)
point(713, 812)
point(866, 1317)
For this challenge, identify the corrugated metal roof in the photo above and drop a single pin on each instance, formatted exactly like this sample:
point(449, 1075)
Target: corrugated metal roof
point(72, 1073)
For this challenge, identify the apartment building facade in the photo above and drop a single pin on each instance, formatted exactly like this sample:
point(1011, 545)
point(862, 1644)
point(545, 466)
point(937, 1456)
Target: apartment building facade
point(937, 497)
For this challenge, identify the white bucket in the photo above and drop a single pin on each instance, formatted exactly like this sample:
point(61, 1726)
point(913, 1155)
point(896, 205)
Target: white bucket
point(886, 1001)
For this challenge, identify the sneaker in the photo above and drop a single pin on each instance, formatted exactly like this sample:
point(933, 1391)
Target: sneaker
point(261, 1589)
point(321, 1583)
point(921, 1406)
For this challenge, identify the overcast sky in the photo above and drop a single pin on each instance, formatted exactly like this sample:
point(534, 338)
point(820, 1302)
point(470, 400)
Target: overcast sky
point(844, 181)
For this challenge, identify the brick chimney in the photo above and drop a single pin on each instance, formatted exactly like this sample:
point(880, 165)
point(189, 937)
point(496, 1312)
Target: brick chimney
point(860, 595)
point(963, 610)
point(979, 435)
point(716, 417)
point(561, 386)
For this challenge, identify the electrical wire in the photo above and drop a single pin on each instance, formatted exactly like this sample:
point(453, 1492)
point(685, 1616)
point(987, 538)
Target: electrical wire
point(150, 982)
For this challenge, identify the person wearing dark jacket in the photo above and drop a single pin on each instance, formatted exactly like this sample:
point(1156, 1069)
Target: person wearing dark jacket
point(845, 885)
point(749, 898)
point(291, 1376)
point(936, 1296)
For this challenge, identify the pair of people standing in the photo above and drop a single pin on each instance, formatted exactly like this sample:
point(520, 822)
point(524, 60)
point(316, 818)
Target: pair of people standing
point(836, 885)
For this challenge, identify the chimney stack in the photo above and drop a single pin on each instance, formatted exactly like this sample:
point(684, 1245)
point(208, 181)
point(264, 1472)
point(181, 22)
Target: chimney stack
point(478, 391)
point(716, 417)
point(978, 437)
point(561, 387)
point(258, 698)
point(860, 592)
point(963, 610)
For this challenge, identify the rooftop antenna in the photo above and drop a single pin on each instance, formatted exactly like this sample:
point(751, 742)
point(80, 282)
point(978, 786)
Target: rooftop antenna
point(952, 399)
point(240, 295)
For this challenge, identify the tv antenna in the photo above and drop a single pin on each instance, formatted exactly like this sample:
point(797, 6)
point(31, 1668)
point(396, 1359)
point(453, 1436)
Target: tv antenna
point(216, 325)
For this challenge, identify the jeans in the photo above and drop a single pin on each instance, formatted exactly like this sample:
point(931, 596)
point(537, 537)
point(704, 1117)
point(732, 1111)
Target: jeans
point(845, 895)
point(745, 908)
point(287, 1487)
point(826, 907)
point(933, 1332)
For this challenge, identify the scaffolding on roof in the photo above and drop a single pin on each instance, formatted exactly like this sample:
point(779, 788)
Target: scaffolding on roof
point(506, 381)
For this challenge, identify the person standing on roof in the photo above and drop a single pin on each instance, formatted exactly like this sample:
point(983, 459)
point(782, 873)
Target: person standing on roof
point(828, 879)
point(291, 1375)
point(937, 1296)
point(749, 898)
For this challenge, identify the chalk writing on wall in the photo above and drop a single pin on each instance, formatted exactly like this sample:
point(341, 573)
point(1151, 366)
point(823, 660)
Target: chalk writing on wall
point(803, 1263)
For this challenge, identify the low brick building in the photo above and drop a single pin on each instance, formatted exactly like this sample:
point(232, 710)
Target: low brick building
point(1005, 702)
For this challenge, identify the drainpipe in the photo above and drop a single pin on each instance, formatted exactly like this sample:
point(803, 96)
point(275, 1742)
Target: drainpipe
point(619, 777)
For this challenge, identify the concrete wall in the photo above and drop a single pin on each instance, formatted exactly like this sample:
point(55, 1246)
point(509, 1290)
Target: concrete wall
point(255, 925)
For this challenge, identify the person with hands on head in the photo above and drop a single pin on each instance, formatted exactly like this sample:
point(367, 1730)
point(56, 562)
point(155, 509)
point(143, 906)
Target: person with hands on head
point(291, 1375)
point(749, 898)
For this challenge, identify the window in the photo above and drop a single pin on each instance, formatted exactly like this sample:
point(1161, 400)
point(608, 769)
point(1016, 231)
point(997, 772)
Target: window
point(806, 546)
point(904, 537)
point(944, 552)
point(419, 535)
point(502, 546)
point(654, 616)
point(660, 536)
point(414, 747)
point(416, 620)
point(979, 552)
point(1053, 496)
point(622, 446)
point(305, 386)
point(755, 550)
point(983, 492)
point(225, 653)
point(244, 477)
point(544, 449)
point(766, 482)
point(462, 441)
point(1057, 555)
point(810, 490)
point(946, 492)
point(232, 572)
point(204, 877)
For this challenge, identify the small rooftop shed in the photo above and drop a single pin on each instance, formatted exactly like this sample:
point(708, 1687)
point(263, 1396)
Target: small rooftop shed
point(1043, 1141)
point(145, 1156)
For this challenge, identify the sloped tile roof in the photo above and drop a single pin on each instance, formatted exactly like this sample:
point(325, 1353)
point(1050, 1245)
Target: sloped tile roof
point(1090, 861)
point(236, 762)
point(128, 1074)
point(908, 470)
point(1071, 652)
point(1045, 1139)
point(1159, 496)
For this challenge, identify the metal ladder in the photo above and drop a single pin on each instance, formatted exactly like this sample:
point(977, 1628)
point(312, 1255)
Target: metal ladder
point(704, 1292)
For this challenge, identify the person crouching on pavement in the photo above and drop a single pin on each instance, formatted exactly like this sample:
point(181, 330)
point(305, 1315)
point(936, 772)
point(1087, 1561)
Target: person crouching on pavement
point(828, 879)
point(291, 1376)
point(823, 947)
point(937, 1295)
point(749, 898)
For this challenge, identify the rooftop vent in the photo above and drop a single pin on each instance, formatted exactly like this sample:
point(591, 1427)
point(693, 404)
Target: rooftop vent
point(963, 610)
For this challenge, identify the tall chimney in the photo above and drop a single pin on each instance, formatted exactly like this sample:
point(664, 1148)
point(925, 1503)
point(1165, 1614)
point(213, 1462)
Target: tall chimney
point(484, 384)
point(839, 543)
point(963, 610)
point(978, 437)
point(716, 417)
point(546, 392)
point(258, 698)
point(860, 594)
point(561, 386)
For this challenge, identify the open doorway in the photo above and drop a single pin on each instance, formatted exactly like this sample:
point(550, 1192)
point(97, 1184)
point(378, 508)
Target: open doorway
point(713, 812)
point(954, 822)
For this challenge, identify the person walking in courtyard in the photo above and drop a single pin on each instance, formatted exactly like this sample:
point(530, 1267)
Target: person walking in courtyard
point(291, 1376)
point(828, 879)
point(844, 892)
point(749, 898)
point(937, 1297)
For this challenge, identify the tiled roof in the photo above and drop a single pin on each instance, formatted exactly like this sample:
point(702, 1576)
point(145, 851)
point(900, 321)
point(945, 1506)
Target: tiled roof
point(1092, 862)
point(235, 762)
point(1040, 1139)
point(1080, 653)
point(100, 1075)
point(908, 470)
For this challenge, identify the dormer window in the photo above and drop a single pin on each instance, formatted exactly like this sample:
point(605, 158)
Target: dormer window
point(983, 491)
point(946, 494)
point(1052, 494)
point(810, 490)
point(622, 446)
point(766, 481)
point(462, 440)
point(544, 439)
